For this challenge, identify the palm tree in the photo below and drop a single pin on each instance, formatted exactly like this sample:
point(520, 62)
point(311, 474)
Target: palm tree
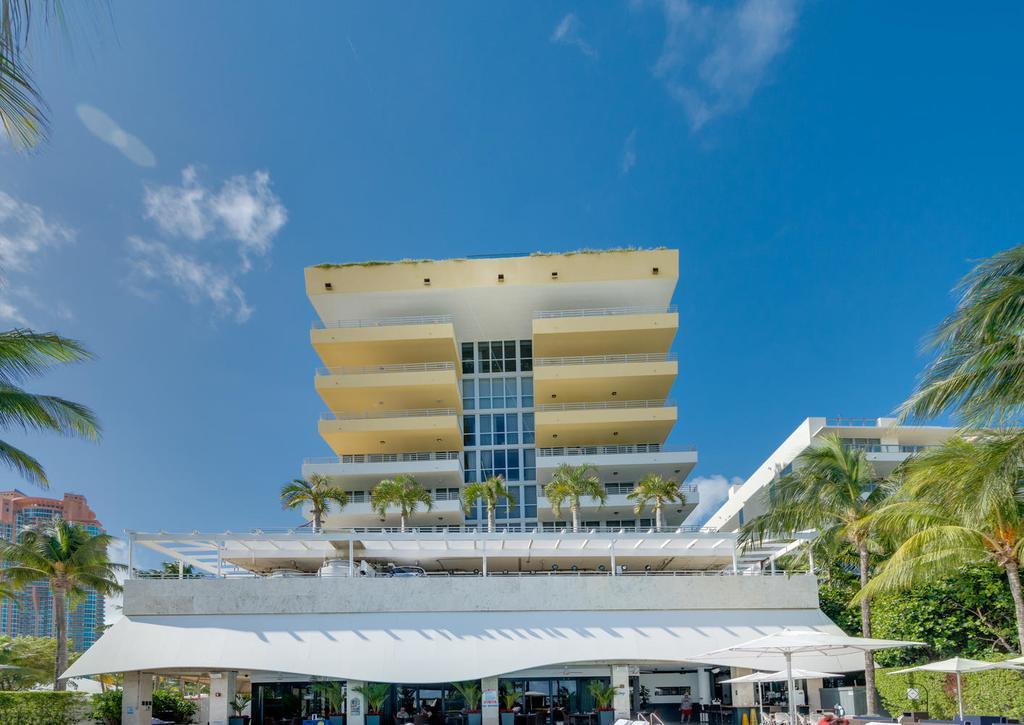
point(653, 490)
point(978, 372)
point(318, 492)
point(570, 484)
point(832, 489)
point(490, 492)
point(960, 504)
point(401, 491)
point(26, 354)
point(71, 560)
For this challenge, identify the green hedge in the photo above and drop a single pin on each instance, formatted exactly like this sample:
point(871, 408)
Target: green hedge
point(44, 708)
point(997, 692)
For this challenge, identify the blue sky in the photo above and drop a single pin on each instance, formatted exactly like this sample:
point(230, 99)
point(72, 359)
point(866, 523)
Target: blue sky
point(828, 171)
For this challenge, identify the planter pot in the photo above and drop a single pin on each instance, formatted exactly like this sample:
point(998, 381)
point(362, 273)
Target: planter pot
point(236, 720)
point(508, 718)
point(336, 720)
point(373, 719)
point(605, 717)
point(473, 718)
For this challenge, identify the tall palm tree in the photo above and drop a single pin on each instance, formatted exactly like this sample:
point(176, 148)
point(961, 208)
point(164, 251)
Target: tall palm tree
point(71, 560)
point(26, 354)
point(570, 484)
point(832, 489)
point(960, 504)
point(490, 492)
point(978, 372)
point(655, 491)
point(318, 492)
point(401, 491)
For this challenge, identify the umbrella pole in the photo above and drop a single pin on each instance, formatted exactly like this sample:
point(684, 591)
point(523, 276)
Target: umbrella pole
point(960, 696)
point(792, 688)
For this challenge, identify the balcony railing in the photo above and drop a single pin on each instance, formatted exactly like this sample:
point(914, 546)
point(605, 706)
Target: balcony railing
point(607, 404)
point(887, 447)
point(606, 359)
point(851, 422)
point(364, 496)
point(476, 573)
point(388, 457)
point(611, 450)
point(605, 311)
point(376, 414)
point(393, 368)
point(383, 322)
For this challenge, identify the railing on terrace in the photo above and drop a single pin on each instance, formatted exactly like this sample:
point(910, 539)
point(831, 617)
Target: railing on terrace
point(605, 311)
point(394, 368)
point(375, 414)
point(384, 322)
point(609, 404)
point(279, 574)
point(851, 422)
point(388, 457)
point(888, 447)
point(364, 496)
point(611, 450)
point(606, 359)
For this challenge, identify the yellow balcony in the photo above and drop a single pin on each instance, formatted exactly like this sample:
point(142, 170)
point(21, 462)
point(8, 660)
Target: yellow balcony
point(386, 341)
point(393, 431)
point(403, 386)
point(616, 422)
point(643, 376)
point(616, 330)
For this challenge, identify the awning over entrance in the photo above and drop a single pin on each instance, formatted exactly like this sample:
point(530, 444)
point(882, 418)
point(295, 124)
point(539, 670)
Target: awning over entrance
point(409, 647)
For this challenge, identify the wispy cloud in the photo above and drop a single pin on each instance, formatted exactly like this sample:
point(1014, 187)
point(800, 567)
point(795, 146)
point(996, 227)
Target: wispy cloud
point(569, 32)
point(713, 491)
point(106, 129)
point(629, 152)
point(715, 57)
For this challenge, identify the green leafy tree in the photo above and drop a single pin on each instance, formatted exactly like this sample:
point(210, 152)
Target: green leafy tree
point(25, 354)
point(571, 483)
point(171, 705)
point(959, 505)
point(470, 691)
point(317, 492)
point(491, 492)
point(71, 560)
point(654, 491)
point(32, 658)
point(832, 489)
point(401, 492)
point(375, 694)
point(106, 707)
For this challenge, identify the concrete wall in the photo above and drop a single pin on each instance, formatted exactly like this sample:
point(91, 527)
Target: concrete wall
point(302, 595)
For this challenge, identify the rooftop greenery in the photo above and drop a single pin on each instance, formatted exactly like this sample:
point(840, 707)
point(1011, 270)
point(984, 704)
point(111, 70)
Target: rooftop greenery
point(381, 263)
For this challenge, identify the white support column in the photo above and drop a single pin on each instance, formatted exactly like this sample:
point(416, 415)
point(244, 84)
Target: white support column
point(735, 561)
point(137, 699)
point(703, 686)
point(489, 703)
point(742, 692)
point(181, 569)
point(222, 693)
point(485, 556)
point(810, 558)
point(351, 557)
point(620, 681)
point(612, 552)
point(356, 710)
point(813, 693)
point(131, 553)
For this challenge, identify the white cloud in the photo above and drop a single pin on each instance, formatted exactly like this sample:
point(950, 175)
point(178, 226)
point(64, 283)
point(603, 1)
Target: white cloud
point(715, 57)
point(180, 211)
point(713, 491)
point(567, 32)
point(106, 129)
point(629, 152)
point(196, 280)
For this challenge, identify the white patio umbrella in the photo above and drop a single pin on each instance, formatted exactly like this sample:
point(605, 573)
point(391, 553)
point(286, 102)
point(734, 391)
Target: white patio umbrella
point(957, 666)
point(790, 642)
point(782, 676)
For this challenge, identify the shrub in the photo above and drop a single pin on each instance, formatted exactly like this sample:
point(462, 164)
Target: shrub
point(106, 707)
point(44, 708)
point(996, 692)
point(172, 705)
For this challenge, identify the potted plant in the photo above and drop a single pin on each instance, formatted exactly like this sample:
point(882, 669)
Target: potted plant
point(237, 705)
point(333, 694)
point(604, 695)
point(375, 694)
point(509, 697)
point(470, 692)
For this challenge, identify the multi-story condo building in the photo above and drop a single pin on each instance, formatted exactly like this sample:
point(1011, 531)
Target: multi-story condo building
point(885, 443)
point(453, 371)
point(31, 612)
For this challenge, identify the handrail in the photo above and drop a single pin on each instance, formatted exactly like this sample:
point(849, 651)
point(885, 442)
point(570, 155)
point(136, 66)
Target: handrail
point(888, 447)
point(606, 359)
point(388, 457)
point(851, 422)
point(598, 405)
point(290, 573)
point(606, 311)
point(611, 450)
point(415, 413)
point(390, 368)
point(383, 322)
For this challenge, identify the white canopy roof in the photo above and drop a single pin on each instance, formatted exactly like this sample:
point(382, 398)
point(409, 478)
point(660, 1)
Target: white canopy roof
point(415, 647)
point(783, 676)
point(962, 664)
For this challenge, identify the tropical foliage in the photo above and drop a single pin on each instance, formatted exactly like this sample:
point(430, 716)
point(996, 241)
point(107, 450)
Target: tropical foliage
point(106, 707)
point(375, 694)
point(32, 658)
point(491, 492)
point(317, 492)
point(401, 492)
point(171, 705)
point(49, 708)
point(568, 485)
point(470, 691)
point(655, 491)
point(334, 695)
point(71, 560)
point(602, 692)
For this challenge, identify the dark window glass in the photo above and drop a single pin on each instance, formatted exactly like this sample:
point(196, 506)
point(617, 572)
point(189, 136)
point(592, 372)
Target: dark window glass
point(468, 430)
point(467, 357)
point(526, 355)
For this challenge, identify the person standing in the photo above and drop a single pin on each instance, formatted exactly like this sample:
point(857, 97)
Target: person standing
point(686, 707)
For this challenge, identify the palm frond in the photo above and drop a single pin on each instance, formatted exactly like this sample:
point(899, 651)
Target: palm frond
point(25, 353)
point(46, 413)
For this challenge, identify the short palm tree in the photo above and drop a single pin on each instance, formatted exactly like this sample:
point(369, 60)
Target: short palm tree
point(72, 560)
point(26, 354)
point(571, 483)
point(832, 489)
point(960, 504)
point(490, 492)
point(654, 491)
point(317, 492)
point(402, 492)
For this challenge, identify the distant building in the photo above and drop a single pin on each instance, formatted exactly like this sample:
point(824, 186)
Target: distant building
point(32, 612)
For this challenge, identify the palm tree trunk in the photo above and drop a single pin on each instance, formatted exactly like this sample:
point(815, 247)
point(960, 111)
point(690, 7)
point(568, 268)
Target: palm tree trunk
point(317, 521)
point(60, 621)
point(865, 630)
point(1013, 577)
point(490, 518)
point(657, 514)
point(402, 521)
point(575, 508)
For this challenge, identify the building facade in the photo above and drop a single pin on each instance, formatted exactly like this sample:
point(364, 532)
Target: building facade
point(31, 613)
